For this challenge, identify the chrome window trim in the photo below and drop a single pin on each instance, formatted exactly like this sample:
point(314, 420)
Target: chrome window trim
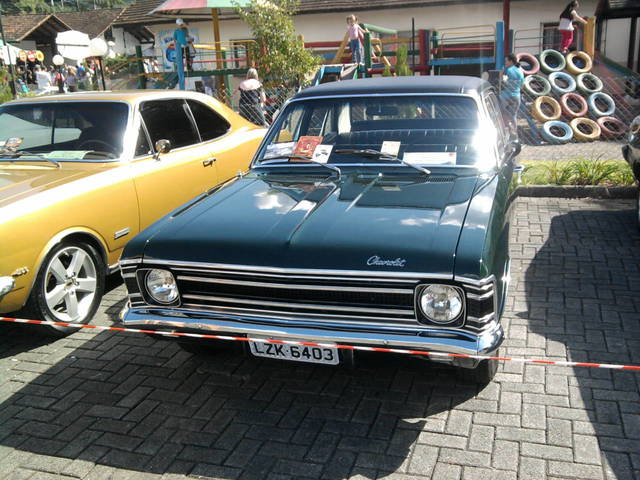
point(317, 272)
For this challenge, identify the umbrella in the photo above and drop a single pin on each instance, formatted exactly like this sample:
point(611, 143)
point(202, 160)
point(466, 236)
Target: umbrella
point(9, 53)
point(196, 8)
point(73, 45)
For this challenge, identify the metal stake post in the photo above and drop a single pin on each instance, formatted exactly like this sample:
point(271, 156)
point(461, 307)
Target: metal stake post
point(12, 81)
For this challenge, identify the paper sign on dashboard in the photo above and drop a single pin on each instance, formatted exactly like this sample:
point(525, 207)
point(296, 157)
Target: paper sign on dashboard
point(322, 153)
point(390, 148)
point(430, 158)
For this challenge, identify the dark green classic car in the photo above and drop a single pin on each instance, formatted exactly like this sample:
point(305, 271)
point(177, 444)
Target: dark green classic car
point(376, 213)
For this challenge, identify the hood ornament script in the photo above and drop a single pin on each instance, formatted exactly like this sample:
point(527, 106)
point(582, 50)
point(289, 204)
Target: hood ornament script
point(375, 260)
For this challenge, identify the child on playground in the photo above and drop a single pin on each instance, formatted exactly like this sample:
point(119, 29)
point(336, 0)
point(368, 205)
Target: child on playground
point(567, 17)
point(510, 93)
point(356, 35)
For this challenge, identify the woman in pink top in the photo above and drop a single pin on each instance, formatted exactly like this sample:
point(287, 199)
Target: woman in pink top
point(567, 17)
point(356, 35)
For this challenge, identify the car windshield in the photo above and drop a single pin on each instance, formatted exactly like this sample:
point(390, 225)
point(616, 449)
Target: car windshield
point(64, 130)
point(425, 130)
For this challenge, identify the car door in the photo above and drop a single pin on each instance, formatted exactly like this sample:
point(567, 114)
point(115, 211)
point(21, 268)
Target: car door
point(168, 180)
point(230, 150)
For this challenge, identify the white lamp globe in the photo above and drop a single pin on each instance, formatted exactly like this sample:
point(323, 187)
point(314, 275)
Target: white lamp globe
point(98, 48)
point(57, 60)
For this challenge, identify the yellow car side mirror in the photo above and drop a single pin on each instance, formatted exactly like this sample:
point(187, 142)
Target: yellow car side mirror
point(162, 146)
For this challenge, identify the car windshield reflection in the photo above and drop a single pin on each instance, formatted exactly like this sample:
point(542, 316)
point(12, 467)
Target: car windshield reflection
point(421, 130)
point(63, 131)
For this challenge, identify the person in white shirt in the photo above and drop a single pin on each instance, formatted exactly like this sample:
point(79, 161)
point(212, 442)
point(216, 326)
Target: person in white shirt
point(43, 79)
point(567, 17)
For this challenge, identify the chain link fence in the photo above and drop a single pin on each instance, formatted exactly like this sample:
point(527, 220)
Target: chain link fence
point(570, 117)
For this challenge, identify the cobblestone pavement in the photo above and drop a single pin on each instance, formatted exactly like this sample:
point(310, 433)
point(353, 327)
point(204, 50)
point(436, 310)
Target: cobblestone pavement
point(119, 406)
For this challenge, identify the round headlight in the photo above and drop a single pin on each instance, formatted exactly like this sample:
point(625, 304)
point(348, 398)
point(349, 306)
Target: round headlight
point(161, 286)
point(441, 303)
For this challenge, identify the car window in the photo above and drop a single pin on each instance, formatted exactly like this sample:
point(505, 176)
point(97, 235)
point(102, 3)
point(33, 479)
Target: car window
point(66, 130)
point(210, 124)
point(493, 107)
point(169, 120)
point(420, 129)
point(142, 144)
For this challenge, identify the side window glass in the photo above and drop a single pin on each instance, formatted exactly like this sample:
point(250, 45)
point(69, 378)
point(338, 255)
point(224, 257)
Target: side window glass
point(495, 112)
point(169, 120)
point(210, 124)
point(142, 144)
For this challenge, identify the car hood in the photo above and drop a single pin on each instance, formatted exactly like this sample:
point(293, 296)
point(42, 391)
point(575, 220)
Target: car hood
point(400, 223)
point(20, 180)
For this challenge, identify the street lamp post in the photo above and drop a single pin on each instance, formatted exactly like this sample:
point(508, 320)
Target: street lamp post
point(99, 48)
point(12, 83)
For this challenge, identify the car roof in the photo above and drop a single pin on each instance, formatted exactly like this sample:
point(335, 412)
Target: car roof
point(450, 84)
point(129, 96)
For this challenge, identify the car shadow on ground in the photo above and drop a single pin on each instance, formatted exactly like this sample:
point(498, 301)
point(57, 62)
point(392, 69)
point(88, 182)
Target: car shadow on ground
point(19, 338)
point(581, 292)
point(134, 402)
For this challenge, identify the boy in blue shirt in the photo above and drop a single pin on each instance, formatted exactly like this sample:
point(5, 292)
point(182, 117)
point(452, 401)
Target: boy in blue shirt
point(510, 94)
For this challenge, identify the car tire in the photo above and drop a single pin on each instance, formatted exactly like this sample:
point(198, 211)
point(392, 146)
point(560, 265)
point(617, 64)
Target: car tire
point(68, 287)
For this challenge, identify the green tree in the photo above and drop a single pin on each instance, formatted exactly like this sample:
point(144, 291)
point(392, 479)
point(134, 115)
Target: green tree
point(402, 67)
point(282, 58)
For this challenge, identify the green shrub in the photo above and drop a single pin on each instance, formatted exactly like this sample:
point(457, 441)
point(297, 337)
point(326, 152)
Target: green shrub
point(577, 172)
point(402, 67)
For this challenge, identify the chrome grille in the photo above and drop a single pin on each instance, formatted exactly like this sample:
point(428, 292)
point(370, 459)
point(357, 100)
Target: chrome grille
point(329, 298)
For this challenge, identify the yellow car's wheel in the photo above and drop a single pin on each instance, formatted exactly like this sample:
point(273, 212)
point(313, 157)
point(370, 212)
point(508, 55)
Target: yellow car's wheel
point(69, 286)
point(585, 129)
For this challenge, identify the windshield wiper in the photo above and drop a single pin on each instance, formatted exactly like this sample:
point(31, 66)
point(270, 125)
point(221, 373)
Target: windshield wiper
point(12, 156)
point(369, 152)
point(305, 159)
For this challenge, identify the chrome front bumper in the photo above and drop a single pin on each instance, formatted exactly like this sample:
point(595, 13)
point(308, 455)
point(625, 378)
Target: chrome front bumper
point(418, 338)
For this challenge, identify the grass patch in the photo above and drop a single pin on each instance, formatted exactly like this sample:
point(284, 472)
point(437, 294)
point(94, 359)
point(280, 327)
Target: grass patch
point(582, 171)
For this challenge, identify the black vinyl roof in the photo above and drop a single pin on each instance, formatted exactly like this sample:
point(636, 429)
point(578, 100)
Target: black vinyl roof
point(394, 85)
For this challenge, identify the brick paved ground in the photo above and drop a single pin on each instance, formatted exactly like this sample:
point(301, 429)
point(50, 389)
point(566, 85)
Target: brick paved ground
point(116, 406)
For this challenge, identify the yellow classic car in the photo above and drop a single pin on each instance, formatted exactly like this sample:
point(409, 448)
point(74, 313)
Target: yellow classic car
point(82, 174)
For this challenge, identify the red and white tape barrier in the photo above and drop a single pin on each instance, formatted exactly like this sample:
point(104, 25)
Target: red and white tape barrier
point(317, 344)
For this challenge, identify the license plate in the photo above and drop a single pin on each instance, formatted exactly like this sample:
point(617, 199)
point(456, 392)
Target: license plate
point(297, 353)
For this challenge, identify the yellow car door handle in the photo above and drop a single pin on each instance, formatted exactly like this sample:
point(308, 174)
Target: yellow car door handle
point(208, 163)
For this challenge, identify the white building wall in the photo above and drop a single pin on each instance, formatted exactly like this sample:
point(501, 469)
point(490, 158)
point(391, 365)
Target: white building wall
point(332, 26)
point(616, 40)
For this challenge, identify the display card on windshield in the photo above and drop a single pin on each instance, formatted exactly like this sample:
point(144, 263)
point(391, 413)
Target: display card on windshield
point(279, 150)
point(390, 148)
point(306, 145)
point(322, 153)
point(430, 158)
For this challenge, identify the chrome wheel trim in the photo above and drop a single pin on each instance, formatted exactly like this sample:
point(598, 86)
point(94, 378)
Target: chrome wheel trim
point(70, 284)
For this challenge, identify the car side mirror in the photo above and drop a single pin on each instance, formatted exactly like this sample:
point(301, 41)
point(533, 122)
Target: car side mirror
point(516, 146)
point(162, 146)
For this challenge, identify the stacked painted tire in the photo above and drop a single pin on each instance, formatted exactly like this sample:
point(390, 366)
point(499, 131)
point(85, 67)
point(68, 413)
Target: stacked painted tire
point(567, 99)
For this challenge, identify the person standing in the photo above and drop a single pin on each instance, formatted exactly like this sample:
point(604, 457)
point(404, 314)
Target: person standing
point(180, 41)
point(72, 79)
point(567, 17)
point(252, 98)
point(59, 79)
point(513, 80)
point(356, 36)
point(43, 79)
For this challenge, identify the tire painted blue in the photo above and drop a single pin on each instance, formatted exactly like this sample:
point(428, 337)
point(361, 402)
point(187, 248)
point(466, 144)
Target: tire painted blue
point(593, 107)
point(562, 76)
point(550, 137)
